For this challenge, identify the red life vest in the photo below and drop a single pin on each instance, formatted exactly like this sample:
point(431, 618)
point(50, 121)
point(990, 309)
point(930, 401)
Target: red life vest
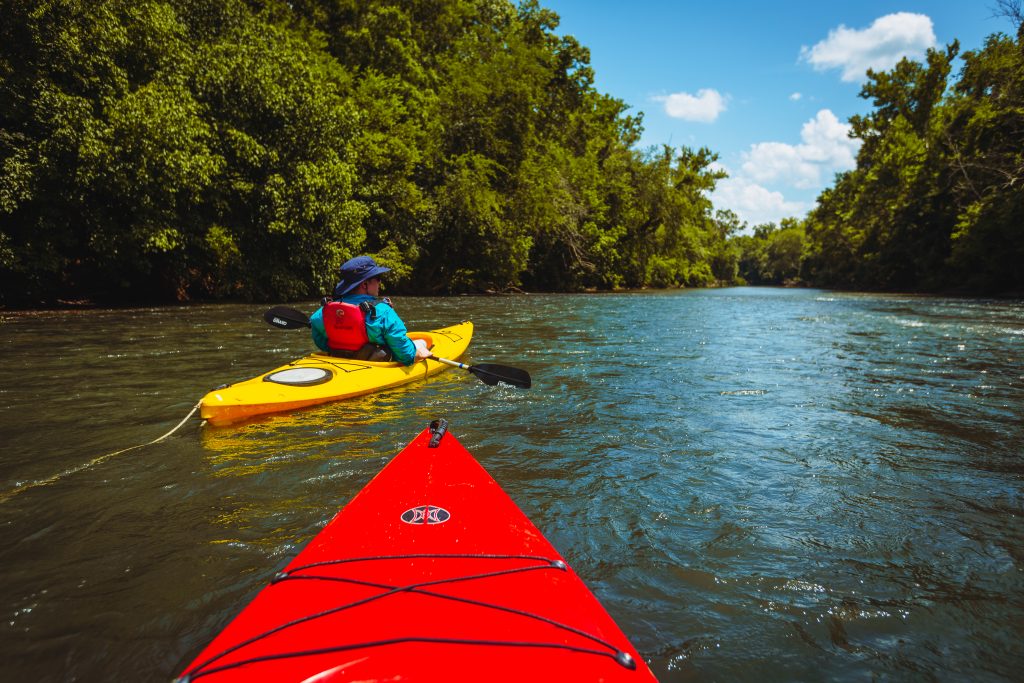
point(345, 325)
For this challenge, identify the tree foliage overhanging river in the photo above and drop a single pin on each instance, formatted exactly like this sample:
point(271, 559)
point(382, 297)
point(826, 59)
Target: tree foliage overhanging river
point(759, 484)
point(172, 150)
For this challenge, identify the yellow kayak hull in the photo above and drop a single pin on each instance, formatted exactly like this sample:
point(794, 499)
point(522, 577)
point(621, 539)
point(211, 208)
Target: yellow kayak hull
point(320, 378)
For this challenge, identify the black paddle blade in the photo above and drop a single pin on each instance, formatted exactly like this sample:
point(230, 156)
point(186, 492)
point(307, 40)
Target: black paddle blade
point(489, 373)
point(286, 318)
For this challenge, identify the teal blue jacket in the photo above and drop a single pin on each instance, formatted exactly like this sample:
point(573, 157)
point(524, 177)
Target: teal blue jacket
point(385, 328)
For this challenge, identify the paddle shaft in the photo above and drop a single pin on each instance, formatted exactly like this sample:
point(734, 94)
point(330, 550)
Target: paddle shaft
point(453, 363)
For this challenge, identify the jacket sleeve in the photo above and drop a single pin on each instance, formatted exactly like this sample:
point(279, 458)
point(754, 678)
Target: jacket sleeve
point(388, 329)
point(316, 328)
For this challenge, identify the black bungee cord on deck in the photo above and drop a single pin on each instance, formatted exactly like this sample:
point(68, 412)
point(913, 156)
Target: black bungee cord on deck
point(622, 658)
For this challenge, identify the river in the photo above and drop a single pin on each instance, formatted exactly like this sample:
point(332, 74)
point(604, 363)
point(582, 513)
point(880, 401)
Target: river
point(758, 484)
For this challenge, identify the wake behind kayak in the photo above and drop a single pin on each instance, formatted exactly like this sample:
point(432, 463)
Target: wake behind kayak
point(430, 573)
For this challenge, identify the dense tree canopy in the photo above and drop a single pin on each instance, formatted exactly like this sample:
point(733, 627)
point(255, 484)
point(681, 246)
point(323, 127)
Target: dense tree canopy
point(772, 255)
point(162, 150)
point(178, 149)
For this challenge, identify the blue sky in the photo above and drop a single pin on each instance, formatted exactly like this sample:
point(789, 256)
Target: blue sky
point(769, 86)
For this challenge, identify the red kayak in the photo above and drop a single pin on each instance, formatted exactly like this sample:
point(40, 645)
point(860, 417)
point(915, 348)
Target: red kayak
point(431, 573)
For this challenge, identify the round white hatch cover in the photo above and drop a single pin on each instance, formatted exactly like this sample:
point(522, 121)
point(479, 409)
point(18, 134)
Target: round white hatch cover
point(302, 377)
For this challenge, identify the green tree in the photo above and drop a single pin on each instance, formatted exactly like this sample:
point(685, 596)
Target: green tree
point(284, 125)
point(984, 136)
point(886, 224)
point(175, 149)
point(773, 254)
point(935, 200)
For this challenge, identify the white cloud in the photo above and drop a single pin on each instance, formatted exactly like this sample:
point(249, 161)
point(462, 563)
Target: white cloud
point(879, 47)
point(827, 141)
point(704, 107)
point(825, 149)
point(796, 97)
point(771, 173)
point(754, 203)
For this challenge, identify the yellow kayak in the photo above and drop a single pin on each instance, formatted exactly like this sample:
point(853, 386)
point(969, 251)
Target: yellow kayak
point(319, 378)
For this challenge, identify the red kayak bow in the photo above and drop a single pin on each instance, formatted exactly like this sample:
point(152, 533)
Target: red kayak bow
point(431, 573)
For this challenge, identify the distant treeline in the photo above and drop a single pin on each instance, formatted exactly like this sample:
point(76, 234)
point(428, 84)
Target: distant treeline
point(158, 150)
point(936, 202)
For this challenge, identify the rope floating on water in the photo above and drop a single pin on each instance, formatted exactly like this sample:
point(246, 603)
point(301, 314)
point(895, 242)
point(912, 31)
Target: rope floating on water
point(95, 461)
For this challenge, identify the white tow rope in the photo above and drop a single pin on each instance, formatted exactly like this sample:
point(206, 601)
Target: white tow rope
point(95, 461)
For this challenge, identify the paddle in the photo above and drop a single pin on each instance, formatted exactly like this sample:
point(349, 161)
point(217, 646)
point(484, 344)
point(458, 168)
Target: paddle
point(488, 373)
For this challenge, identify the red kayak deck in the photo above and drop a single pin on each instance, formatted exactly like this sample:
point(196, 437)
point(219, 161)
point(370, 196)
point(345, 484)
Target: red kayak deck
point(431, 573)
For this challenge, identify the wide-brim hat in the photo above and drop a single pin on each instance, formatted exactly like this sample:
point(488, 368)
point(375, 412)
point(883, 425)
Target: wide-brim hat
point(356, 271)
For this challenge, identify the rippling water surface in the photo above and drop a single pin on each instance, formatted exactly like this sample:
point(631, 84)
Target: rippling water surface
point(762, 485)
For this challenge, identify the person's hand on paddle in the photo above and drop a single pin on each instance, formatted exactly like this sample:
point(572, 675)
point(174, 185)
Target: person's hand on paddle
point(422, 352)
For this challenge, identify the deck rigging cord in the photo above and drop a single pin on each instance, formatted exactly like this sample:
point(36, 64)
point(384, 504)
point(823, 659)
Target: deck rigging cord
point(95, 461)
point(208, 667)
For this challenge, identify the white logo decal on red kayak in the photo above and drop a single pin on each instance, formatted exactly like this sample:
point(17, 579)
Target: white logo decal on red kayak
point(426, 514)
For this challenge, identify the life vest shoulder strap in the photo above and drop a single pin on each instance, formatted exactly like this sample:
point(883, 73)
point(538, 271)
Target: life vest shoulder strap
point(369, 310)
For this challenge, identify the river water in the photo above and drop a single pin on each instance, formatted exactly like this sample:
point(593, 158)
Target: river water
point(758, 484)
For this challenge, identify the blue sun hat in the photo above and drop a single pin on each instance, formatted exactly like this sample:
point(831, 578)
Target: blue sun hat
point(355, 271)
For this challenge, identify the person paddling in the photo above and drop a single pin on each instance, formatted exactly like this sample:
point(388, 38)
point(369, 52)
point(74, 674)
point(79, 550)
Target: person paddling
point(356, 324)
